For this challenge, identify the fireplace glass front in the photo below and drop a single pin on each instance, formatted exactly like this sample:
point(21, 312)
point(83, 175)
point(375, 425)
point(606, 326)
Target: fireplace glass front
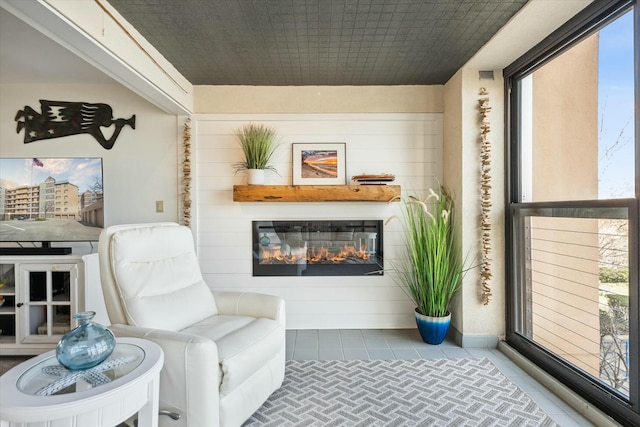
point(317, 248)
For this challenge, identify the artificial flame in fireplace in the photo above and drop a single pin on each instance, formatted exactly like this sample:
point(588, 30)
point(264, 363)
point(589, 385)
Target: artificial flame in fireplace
point(346, 254)
point(317, 248)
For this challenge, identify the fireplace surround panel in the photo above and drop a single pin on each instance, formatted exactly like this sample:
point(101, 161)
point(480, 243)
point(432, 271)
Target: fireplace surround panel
point(317, 248)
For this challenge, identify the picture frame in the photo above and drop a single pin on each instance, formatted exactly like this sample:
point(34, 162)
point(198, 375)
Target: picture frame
point(319, 163)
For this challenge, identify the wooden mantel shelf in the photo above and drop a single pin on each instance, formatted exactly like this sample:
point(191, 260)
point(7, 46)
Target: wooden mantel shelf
point(316, 193)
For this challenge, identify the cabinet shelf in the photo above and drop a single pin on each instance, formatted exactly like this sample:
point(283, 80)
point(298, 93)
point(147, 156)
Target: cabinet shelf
point(316, 193)
point(8, 290)
point(7, 339)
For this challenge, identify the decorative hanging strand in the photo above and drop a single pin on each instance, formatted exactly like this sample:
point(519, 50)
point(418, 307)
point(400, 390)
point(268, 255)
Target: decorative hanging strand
point(186, 174)
point(485, 193)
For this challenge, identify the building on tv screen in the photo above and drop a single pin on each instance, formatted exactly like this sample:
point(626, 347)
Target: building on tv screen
point(53, 199)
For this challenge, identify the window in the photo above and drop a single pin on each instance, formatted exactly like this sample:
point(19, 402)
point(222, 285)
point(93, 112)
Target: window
point(573, 203)
point(577, 120)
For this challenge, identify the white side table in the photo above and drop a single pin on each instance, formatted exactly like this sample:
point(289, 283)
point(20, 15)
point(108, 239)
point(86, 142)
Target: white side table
point(131, 386)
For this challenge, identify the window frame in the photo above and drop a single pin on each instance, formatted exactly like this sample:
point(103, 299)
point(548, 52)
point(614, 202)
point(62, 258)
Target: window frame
point(585, 23)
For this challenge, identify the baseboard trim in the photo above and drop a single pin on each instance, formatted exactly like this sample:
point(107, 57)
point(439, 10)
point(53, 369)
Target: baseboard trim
point(583, 407)
point(473, 341)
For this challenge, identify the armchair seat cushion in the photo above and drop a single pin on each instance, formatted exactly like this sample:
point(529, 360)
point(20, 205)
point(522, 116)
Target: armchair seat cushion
point(245, 344)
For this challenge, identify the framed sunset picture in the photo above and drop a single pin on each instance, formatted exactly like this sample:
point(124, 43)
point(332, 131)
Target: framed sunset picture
point(319, 164)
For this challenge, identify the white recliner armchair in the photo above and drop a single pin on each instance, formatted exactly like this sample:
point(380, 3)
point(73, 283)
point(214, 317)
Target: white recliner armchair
point(224, 352)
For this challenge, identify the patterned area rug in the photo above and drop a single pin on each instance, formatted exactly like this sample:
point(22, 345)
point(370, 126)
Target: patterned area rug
point(8, 362)
point(442, 392)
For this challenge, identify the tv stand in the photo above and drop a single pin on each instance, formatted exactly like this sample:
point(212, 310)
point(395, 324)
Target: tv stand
point(41, 295)
point(45, 249)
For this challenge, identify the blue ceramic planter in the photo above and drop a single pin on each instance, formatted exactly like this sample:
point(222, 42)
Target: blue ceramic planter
point(433, 330)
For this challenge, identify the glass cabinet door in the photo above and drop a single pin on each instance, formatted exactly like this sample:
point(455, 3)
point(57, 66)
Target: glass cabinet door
point(7, 304)
point(47, 301)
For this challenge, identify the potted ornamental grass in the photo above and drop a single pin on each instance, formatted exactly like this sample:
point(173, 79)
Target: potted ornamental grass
point(432, 269)
point(258, 143)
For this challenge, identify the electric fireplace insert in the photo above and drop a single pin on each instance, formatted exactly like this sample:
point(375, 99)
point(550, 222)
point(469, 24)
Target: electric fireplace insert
point(317, 248)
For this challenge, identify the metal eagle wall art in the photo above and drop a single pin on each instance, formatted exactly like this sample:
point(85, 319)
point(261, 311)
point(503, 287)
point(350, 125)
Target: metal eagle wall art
point(59, 118)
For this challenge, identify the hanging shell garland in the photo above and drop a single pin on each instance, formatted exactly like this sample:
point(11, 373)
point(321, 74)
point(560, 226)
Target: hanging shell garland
point(485, 193)
point(186, 173)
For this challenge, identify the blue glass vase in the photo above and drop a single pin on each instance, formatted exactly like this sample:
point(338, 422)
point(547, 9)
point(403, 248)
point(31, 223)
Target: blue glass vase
point(87, 345)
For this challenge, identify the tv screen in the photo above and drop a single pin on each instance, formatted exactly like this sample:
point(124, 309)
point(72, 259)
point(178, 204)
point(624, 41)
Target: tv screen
point(51, 199)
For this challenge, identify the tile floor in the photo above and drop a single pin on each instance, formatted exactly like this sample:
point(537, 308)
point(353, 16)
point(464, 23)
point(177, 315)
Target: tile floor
point(346, 344)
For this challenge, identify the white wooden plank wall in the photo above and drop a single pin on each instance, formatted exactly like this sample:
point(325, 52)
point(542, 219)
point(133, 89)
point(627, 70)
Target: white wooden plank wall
point(406, 145)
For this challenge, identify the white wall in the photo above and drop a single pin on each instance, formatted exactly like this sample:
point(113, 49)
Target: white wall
point(318, 99)
point(408, 145)
point(138, 170)
point(462, 175)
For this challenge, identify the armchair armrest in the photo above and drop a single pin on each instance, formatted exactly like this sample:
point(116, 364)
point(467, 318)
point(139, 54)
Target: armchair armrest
point(251, 304)
point(191, 369)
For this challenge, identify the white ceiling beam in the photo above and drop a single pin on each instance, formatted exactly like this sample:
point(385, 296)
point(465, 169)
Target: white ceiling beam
point(46, 19)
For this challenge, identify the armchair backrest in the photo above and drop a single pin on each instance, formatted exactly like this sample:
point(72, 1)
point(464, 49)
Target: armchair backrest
point(151, 277)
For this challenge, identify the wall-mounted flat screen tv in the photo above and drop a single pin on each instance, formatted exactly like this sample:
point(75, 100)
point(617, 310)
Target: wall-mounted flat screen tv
point(50, 200)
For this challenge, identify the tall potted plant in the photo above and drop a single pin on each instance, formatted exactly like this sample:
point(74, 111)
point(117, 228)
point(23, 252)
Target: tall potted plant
point(258, 143)
point(432, 270)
